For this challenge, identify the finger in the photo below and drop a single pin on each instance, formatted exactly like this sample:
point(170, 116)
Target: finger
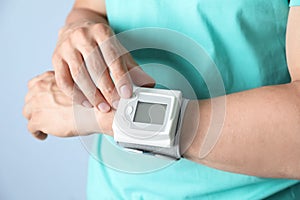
point(34, 90)
point(34, 104)
point(108, 89)
point(37, 89)
point(44, 76)
point(63, 78)
point(83, 80)
point(34, 129)
point(79, 98)
point(137, 74)
point(91, 57)
point(112, 52)
point(40, 135)
point(99, 73)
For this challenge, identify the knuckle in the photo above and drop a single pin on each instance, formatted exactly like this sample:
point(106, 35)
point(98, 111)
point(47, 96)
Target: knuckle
point(75, 59)
point(64, 86)
point(116, 65)
point(40, 84)
point(65, 44)
point(61, 83)
point(80, 35)
point(74, 62)
point(101, 71)
point(56, 59)
point(49, 73)
point(75, 70)
point(65, 47)
point(94, 97)
point(88, 49)
point(111, 53)
point(33, 81)
point(103, 29)
point(108, 90)
point(117, 69)
point(91, 95)
point(110, 49)
point(120, 75)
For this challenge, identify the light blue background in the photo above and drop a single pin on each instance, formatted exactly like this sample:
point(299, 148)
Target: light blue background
point(32, 169)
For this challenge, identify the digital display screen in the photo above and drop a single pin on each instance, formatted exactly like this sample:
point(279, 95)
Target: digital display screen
point(150, 113)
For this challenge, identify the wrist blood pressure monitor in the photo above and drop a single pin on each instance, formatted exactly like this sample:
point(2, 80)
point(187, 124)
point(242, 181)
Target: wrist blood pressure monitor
point(150, 121)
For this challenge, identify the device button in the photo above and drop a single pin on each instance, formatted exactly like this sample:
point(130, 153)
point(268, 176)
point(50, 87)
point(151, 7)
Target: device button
point(129, 110)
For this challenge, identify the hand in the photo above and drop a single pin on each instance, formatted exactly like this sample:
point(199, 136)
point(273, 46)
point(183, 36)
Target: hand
point(85, 57)
point(50, 111)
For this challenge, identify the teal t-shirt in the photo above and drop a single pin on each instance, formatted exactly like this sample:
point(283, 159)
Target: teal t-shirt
point(246, 41)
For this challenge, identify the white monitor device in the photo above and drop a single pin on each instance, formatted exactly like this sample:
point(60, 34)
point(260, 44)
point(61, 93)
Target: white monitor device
point(149, 117)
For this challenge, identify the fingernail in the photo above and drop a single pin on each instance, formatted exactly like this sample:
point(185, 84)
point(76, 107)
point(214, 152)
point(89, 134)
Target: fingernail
point(125, 91)
point(87, 104)
point(37, 133)
point(104, 107)
point(115, 104)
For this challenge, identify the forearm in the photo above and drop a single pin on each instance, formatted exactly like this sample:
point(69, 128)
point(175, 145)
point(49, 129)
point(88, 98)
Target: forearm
point(87, 10)
point(80, 14)
point(260, 134)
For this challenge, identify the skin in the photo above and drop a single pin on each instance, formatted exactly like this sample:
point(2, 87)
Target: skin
point(84, 57)
point(260, 135)
point(261, 131)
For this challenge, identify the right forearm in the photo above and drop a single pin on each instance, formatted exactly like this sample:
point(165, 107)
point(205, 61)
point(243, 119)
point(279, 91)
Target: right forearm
point(87, 10)
point(78, 15)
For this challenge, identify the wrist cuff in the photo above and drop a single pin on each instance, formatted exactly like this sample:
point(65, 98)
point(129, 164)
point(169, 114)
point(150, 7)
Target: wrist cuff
point(170, 152)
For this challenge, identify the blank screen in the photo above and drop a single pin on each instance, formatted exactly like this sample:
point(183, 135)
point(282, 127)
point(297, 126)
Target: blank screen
point(151, 113)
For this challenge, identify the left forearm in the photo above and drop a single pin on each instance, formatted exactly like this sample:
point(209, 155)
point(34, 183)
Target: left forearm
point(293, 43)
point(260, 134)
point(261, 131)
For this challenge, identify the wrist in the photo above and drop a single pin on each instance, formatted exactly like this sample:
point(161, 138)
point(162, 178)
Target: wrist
point(78, 15)
point(104, 121)
point(193, 130)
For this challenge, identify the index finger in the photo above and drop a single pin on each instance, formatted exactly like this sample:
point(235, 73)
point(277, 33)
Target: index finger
point(112, 52)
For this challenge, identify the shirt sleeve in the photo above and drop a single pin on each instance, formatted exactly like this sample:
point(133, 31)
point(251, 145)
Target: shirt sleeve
point(295, 3)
